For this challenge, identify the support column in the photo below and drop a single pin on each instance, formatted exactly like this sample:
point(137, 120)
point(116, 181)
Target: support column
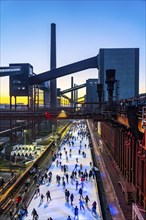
point(10, 102)
point(76, 96)
point(99, 92)
point(72, 93)
point(15, 102)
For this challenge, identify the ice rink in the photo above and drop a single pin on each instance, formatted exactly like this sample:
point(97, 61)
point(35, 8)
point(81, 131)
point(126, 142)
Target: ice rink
point(58, 208)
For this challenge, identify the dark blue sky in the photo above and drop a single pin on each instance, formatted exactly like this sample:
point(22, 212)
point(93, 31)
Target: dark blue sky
point(83, 27)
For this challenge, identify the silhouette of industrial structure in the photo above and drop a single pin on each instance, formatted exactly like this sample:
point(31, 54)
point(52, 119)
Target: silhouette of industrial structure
point(115, 106)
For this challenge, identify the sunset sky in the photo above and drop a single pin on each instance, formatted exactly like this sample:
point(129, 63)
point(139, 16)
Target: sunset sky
point(82, 28)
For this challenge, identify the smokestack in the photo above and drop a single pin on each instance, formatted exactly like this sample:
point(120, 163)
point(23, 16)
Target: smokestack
point(53, 90)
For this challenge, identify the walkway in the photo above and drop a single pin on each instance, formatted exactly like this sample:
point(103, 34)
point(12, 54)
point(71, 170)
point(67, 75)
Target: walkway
point(110, 178)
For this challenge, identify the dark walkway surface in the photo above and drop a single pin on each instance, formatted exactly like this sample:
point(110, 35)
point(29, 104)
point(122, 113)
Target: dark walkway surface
point(115, 177)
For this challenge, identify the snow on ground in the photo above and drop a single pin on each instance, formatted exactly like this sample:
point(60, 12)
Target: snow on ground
point(58, 208)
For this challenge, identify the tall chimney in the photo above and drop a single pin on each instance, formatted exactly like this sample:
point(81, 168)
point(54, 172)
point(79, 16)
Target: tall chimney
point(53, 90)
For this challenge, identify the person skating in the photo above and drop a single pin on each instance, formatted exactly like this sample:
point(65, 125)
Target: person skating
point(45, 177)
point(63, 184)
point(34, 214)
point(82, 178)
point(59, 179)
point(67, 195)
point(56, 178)
point(79, 173)
point(90, 174)
point(94, 207)
point(93, 174)
point(71, 179)
point(42, 198)
point(86, 175)
point(70, 152)
point(69, 218)
point(81, 204)
point(57, 162)
point(66, 153)
point(37, 192)
point(60, 155)
point(77, 184)
point(76, 213)
point(64, 168)
point(82, 184)
point(71, 198)
point(48, 195)
point(49, 179)
point(76, 166)
point(67, 177)
point(81, 193)
point(87, 199)
point(75, 174)
point(50, 174)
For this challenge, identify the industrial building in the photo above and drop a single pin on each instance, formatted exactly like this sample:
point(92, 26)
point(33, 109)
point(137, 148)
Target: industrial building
point(91, 90)
point(125, 61)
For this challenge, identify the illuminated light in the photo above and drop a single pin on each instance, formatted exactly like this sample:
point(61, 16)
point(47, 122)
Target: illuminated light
point(102, 174)
point(113, 209)
point(62, 114)
point(48, 116)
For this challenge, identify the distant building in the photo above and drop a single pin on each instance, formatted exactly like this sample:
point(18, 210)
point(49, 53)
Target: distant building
point(91, 92)
point(19, 83)
point(126, 63)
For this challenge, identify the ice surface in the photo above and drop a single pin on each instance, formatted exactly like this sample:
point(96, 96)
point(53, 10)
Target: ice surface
point(58, 208)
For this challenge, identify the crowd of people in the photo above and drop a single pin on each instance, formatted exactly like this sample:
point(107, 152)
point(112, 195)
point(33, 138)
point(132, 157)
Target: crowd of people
point(72, 180)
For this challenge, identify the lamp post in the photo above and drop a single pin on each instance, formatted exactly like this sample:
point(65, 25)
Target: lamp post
point(25, 133)
point(53, 127)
